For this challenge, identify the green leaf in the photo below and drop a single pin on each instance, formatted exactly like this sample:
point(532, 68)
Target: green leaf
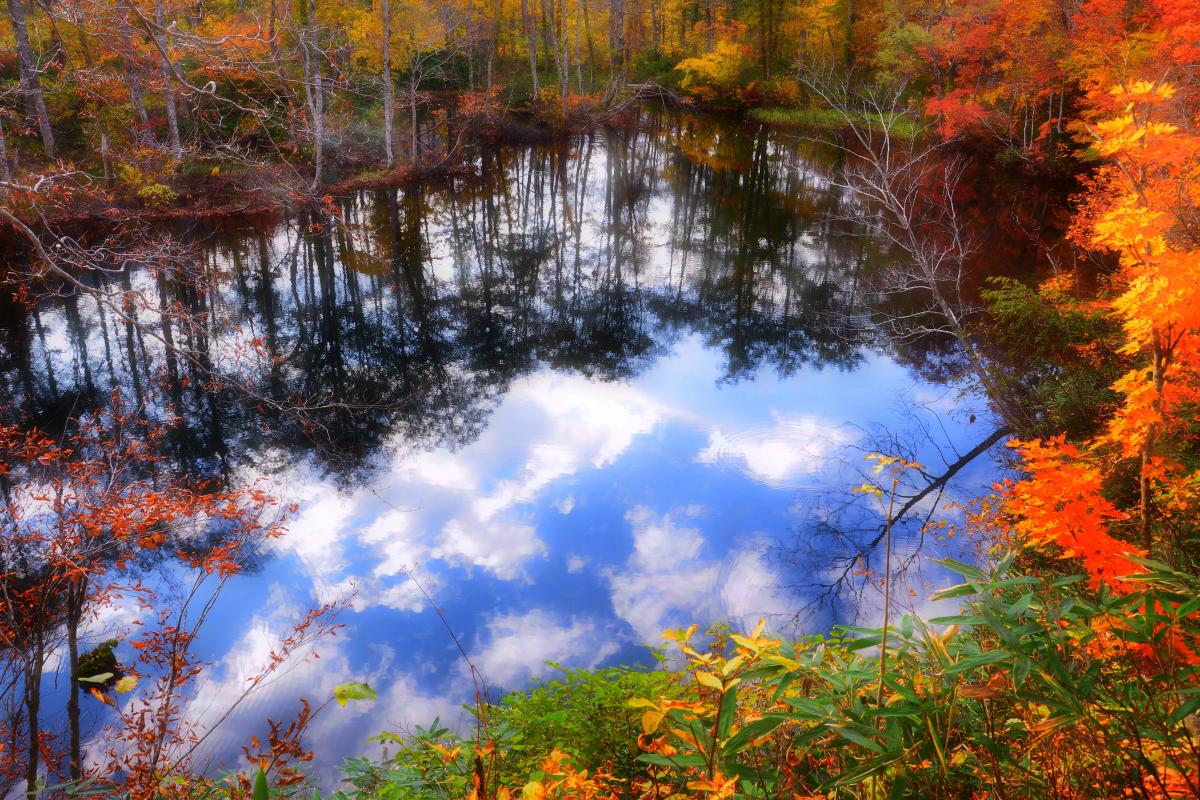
point(757, 729)
point(961, 590)
point(981, 660)
point(352, 690)
point(683, 760)
point(1188, 608)
point(728, 712)
point(1190, 707)
point(260, 786)
point(858, 738)
point(960, 619)
point(103, 677)
point(959, 568)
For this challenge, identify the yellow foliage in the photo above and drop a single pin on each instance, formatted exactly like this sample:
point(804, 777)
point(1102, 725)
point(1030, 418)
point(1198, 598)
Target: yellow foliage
point(717, 74)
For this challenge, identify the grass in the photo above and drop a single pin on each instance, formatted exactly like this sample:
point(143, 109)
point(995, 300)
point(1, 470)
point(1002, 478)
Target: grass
point(824, 118)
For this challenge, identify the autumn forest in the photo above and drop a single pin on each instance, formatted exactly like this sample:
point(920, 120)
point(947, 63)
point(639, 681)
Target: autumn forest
point(600, 399)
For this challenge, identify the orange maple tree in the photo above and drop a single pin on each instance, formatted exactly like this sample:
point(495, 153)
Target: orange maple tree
point(1140, 209)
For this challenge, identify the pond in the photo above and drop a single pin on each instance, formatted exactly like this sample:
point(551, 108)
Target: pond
point(593, 390)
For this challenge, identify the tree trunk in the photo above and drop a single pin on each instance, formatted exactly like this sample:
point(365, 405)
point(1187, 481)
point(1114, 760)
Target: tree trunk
point(559, 48)
point(74, 613)
point(388, 101)
point(578, 51)
point(313, 90)
point(492, 42)
point(850, 34)
point(616, 43)
point(58, 48)
point(412, 105)
point(105, 161)
point(5, 173)
point(1158, 362)
point(655, 29)
point(531, 38)
point(708, 26)
point(765, 26)
point(33, 710)
point(271, 15)
point(31, 85)
point(81, 35)
point(132, 81)
point(168, 76)
point(591, 45)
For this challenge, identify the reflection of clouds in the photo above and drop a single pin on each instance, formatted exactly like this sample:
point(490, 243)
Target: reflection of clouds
point(567, 422)
point(664, 581)
point(311, 674)
point(781, 454)
point(751, 590)
point(668, 580)
point(660, 542)
point(464, 508)
point(401, 705)
point(518, 645)
point(500, 547)
point(217, 702)
point(315, 532)
point(495, 506)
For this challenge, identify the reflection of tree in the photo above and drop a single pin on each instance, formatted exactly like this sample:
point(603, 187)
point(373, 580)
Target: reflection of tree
point(776, 282)
point(403, 315)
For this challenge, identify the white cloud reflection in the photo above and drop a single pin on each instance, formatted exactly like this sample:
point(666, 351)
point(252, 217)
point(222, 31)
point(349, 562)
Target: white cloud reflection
point(479, 508)
point(782, 455)
point(669, 580)
point(465, 508)
point(403, 700)
point(496, 508)
point(518, 645)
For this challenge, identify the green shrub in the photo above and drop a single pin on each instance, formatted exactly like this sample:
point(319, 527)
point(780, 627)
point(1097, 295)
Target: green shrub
point(585, 713)
point(157, 195)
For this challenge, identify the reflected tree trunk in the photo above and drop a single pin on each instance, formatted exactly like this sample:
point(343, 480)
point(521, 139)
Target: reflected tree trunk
point(35, 661)
point(75, 595)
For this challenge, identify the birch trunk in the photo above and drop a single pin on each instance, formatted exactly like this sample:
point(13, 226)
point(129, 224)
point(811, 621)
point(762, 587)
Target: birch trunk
point(31, 85)
point(5, 172)
point(132, 81)
point(74, 616)
point(168, 76)
point(531, 37)
point(313, 91)
point(388, 100)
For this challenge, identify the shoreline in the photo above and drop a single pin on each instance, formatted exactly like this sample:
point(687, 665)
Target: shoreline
point(275, 186)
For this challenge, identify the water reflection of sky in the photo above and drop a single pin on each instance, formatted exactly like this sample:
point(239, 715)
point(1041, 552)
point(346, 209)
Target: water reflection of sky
point(586, 518)
point(610, 417)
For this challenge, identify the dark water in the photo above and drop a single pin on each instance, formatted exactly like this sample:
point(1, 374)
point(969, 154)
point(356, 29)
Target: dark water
point(594, 390)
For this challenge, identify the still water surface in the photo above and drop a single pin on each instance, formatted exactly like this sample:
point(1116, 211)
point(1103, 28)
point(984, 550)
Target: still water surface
point(595, 390)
